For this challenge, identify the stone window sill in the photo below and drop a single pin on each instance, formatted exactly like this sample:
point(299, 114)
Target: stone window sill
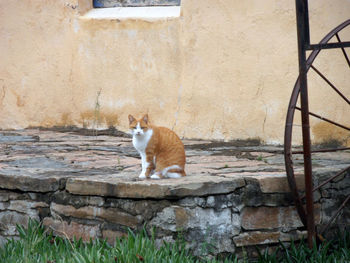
point(149, 13)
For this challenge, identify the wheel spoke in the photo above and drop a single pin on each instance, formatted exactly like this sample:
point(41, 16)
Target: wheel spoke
point(325, 119)
point(330, 84)
point(329, 180)
point(323, 150)
point(336, 213)
point(332, 178)
point(343, 49)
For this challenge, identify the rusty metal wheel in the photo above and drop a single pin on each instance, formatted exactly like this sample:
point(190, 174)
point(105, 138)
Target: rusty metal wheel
point(291, 153)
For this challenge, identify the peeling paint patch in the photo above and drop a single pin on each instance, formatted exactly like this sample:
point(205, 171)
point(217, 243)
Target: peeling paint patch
point(19, 101)
point(2, 90)
point(132, 33)
point(325, 132)
point(76, 26)
point(66, 119)
point(120, 103)
point(101, 119)
point(179, 96)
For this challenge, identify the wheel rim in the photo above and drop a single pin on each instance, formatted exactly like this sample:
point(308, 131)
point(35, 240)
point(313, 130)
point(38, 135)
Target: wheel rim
point(298, 199)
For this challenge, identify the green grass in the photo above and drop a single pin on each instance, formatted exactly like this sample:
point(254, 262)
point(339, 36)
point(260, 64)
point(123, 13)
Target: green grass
point(37, 245)
point(334, 251)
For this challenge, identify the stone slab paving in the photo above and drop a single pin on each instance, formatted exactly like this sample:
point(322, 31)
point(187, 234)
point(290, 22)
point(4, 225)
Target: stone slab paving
point(46, 161)
point(82, 185)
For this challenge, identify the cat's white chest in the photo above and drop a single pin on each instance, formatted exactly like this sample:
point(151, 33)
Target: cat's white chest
point(140, 142)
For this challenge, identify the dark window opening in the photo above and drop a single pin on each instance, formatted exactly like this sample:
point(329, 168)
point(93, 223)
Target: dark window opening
point(120, 3)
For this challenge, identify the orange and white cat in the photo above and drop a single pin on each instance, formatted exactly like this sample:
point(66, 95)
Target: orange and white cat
point(161, 150)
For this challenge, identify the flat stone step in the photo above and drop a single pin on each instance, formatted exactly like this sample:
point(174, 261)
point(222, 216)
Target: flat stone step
point(46, 161)
point(128, 186)
point(16, 137)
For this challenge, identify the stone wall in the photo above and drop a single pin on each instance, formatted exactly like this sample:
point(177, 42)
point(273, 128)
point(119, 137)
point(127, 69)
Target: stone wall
point(244, 215)
point(234, 197)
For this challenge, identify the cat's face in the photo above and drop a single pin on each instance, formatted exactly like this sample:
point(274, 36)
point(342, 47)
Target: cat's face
point(138, 127)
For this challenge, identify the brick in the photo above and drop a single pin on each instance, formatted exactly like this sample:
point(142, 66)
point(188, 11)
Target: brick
point(256, 238)
point(4, 205)
point(181, 217)
point(4, 196)
point(62, 197)
point(25, 206)
point(112, 235)
point(112, 215)
point(254, 218)
point(9, 220)
point(222, 223)
point(261, 238)
point(28, 182)
point(72, 229)
point(203, 185)
point(278, 183)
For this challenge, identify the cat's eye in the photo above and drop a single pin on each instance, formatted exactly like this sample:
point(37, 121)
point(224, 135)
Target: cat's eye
point(143, 127)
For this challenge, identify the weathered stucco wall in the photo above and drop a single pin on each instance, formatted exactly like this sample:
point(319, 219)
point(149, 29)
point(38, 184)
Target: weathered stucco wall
point(222, 70)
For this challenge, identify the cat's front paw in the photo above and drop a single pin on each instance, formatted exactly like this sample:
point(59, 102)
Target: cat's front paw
point(142, 176)
point(155, 176)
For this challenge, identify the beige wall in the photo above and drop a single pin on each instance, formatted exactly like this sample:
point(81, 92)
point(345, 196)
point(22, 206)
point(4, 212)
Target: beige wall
point(223, 70)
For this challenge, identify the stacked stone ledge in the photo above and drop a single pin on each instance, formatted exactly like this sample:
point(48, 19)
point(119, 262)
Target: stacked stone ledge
point(225, 205)
point(235, 213)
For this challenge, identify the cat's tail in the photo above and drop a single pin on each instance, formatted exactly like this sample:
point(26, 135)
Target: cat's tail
point(173, 171)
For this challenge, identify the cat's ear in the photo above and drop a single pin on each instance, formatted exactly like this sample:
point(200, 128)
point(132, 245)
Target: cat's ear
point(145, 118)
point(131, 119)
